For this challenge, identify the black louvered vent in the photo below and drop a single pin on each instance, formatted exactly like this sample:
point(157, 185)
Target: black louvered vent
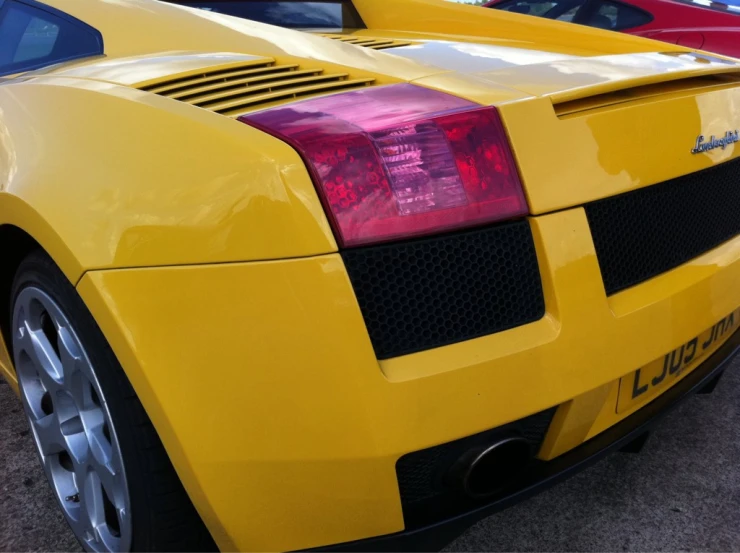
point(370, 42)
point(237, 89)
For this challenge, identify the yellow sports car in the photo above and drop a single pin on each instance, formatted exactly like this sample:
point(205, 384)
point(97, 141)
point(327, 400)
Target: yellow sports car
point(351, 273)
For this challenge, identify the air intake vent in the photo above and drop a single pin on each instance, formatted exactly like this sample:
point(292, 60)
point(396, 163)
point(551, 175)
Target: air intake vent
point(370, 42)
point(654, 91)
point(430, 292)
point(237, 89)
point(647, 232)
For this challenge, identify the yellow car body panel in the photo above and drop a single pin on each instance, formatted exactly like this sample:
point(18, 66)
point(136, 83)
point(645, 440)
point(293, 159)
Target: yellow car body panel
point(144, 234)
point(632, 128)
point(291, 372)
point(202, 249)
point(246, 186)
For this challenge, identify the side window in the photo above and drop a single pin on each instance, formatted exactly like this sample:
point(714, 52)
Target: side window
point(569, 15)
point(293, 14)
point(31, 37)
point(617, 16)
point(37, 41)
point(563, 10)
point(530, 7)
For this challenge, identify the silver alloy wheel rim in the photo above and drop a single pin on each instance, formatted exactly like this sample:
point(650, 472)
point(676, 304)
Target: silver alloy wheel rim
point(71, 424)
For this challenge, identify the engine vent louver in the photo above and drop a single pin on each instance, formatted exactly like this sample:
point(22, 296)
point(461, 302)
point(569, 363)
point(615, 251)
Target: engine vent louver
point(237, 89)
point(370, 42)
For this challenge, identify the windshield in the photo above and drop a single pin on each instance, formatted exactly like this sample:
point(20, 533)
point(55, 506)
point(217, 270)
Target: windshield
point(294, 14)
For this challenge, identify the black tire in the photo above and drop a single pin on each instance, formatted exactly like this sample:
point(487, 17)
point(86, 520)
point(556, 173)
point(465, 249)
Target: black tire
point(163, 517)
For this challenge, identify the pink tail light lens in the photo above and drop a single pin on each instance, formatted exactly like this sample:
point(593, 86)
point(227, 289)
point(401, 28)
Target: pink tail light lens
point(400, 161)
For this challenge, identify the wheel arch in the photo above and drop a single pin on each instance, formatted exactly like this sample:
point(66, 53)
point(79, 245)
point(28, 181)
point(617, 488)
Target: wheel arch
point(16, 244)
point(23, 230)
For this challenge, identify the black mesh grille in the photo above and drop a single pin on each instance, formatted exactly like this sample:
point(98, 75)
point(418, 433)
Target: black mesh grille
point(644, 233)
point(426, 495)
point(436, 291)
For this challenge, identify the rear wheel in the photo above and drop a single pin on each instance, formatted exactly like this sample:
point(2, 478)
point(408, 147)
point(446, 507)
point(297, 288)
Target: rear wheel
point(101, 455)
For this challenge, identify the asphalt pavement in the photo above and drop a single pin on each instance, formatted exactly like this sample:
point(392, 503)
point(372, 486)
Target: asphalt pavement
point(681, 493)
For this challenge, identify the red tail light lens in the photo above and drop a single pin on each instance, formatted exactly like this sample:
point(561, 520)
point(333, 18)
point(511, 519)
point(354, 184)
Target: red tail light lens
point(401, 160)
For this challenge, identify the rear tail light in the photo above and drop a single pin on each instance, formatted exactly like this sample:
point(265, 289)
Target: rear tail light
point(401, 160)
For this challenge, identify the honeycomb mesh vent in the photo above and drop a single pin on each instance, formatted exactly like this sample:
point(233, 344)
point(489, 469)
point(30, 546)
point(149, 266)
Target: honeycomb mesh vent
point(435, 291)
point(641, 234)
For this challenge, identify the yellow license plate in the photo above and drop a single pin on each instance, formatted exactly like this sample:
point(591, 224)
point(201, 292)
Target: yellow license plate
point(656, 377)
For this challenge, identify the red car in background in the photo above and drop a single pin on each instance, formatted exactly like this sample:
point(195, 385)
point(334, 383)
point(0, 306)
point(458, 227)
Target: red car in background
point(712, 26)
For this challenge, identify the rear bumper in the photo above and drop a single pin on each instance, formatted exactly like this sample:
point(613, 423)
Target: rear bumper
point(264, 387)
point(436, 536)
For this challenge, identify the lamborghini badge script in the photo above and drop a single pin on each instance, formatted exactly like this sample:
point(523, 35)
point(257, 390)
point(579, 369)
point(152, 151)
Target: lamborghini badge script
point(703, 145)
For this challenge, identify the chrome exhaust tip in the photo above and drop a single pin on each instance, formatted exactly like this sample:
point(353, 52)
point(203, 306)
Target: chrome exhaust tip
point(490, 469)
